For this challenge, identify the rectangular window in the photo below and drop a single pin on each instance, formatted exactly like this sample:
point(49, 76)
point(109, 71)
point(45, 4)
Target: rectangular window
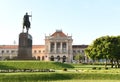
point(7, 51)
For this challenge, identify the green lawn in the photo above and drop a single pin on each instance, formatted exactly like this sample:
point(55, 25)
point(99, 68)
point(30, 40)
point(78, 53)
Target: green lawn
point(85, 81)
point(33, 65)
point(74, 73)
point(60, 77)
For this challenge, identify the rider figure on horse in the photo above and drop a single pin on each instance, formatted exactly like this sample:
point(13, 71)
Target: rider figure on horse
point(26, 22)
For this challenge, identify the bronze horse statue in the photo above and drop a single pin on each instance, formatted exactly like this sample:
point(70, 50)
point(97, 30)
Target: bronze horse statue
point(26, 22)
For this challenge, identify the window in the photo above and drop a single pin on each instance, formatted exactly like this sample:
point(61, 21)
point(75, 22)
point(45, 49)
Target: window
point(35, 51)
point(43, 51)
point(12, 51)
point(64, 45)
point(2, 51)
point(82, 51)
point(52, 47)
point(78, 51)
point(39, 51)
point(58, 47)
point(74, 51)
point(7, 51)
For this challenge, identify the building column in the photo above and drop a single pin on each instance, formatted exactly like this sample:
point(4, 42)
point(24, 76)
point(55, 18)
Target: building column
point(67, 48)
point(71, 56)
point(55, 47)
point(49, 46)
point(68, 52)
point(61, 47)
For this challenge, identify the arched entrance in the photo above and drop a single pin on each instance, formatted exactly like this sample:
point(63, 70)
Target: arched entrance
point(52, 58)
point(38, 57)
point(64, 59)
point(43, 58)
point(58, 58)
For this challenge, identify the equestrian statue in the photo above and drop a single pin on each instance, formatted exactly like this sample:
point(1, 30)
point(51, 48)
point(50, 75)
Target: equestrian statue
point(26, 22)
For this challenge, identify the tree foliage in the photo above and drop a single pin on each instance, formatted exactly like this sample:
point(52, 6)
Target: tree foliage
point(106, 47)
point(79, 57)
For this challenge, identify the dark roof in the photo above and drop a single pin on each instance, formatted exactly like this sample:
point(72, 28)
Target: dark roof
point(79, 46)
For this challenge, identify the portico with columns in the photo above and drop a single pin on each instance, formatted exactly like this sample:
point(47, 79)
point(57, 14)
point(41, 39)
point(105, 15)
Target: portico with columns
point(59, 47)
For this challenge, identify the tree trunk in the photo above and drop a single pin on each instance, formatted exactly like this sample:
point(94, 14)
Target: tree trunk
point(112, 63)
point(115, 63)
point(118, 63)
point(106, 63)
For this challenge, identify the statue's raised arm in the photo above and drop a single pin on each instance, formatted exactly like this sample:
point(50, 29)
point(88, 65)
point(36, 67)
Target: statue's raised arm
point(26, 22)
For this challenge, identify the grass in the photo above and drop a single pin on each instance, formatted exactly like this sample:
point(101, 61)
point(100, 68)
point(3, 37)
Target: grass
point(74, 73)
point(85, 81)
point(38, 77)
point(33, 65)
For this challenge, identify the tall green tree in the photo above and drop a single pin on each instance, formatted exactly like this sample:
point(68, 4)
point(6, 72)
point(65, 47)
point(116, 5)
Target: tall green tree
point(106, 47)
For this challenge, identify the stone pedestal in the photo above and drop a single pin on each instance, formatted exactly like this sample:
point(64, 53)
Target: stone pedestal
point(25, 47)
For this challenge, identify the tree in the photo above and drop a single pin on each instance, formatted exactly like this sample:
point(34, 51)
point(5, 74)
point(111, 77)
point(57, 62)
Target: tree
point(106, 47)
point(79, 57)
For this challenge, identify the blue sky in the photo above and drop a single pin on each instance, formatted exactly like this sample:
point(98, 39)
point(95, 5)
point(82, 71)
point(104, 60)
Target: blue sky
point(85, 20)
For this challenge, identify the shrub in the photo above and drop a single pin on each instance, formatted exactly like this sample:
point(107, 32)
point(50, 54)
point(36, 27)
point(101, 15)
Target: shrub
point(99, 68)
point(94, 68)
point(65, 69)
point(106, 68)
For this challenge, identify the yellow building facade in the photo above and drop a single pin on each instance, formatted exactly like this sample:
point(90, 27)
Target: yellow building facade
point(58, 47)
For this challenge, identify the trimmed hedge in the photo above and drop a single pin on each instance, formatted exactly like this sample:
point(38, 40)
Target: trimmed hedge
point(26, 70)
